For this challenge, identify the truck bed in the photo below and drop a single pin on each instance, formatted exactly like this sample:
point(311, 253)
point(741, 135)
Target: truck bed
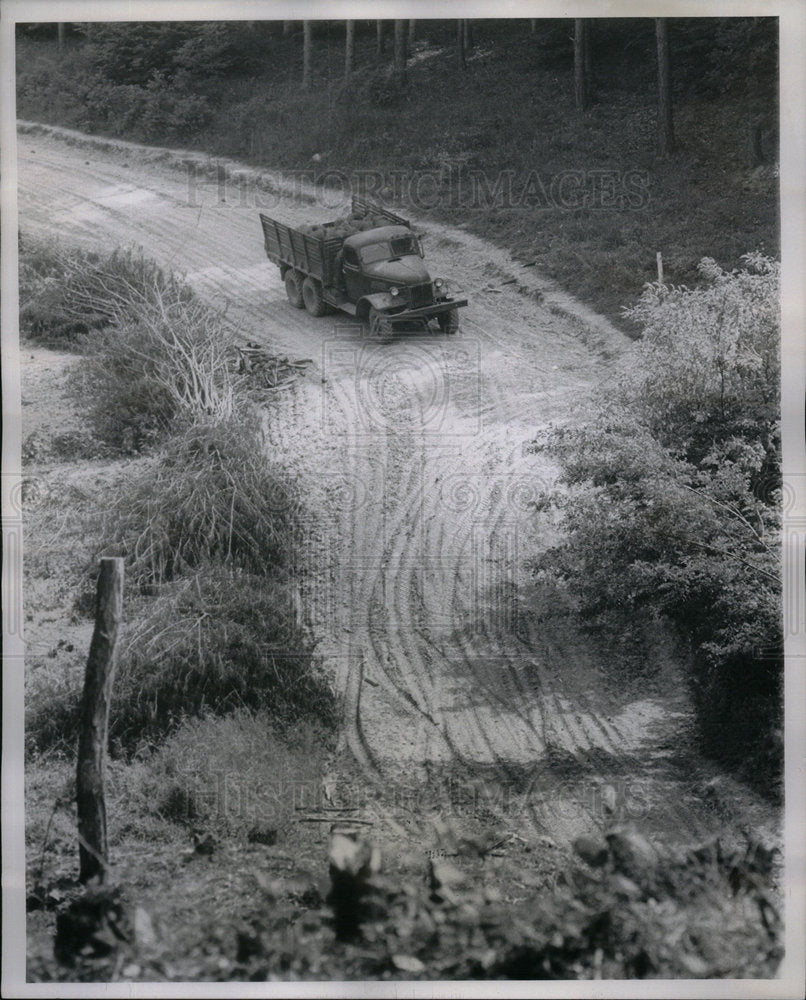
point(312, 254)
point(301, 251)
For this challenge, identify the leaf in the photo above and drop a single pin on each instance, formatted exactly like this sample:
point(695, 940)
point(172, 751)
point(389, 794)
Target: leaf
point(408, 963)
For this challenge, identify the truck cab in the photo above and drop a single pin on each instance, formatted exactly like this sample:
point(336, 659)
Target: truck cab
point(381, 260)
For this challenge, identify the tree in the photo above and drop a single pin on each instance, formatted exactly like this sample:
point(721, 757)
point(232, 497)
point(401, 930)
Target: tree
point(460, 44)
point(412, 30)
point(581, 64)
point(288, 28)
point(380, 36)
point(665, 124)
point(349, 50)
point(306, 55)
point(400, 52)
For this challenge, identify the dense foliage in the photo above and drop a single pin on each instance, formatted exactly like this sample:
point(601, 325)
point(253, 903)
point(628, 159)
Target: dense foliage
point(670, 507)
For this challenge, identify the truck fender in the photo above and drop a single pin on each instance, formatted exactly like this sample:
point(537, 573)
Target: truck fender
point(382, 301)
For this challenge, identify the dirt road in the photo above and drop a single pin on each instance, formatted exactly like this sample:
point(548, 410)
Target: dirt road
point(414, 460)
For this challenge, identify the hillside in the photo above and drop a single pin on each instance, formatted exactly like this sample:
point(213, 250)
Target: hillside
point(498, 147)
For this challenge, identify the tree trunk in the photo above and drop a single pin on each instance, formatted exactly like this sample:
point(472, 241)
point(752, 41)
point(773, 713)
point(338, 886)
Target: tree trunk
point(400, 52)
point(349, 50)
point(665, 123)
point(306, 55)
point(468, 35)
point(288, 28)
point(533, 25)
point(460, 44)
point(100, 673)
point(412, 30)
point(755, 145)
point(379, 32)
point(61, 27)
point(580, 80)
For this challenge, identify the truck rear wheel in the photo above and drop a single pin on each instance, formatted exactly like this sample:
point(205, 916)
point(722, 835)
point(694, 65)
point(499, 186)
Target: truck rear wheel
point(449, 321)
point(313, 297)
point(293, 289)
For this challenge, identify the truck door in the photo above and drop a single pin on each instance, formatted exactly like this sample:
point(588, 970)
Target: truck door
point(353, 280)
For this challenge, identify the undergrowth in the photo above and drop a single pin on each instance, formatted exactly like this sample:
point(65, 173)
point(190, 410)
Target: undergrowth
point(509, 114)
point(670, 505)
point(207, 524)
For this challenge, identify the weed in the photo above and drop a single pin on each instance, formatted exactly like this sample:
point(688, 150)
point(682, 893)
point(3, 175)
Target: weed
point(220, 641)
point(212, 494)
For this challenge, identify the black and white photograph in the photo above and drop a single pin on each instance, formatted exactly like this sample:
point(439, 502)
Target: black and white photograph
point(404, 499)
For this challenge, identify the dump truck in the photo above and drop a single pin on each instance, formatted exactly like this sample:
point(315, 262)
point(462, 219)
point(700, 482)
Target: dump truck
point(369, 265)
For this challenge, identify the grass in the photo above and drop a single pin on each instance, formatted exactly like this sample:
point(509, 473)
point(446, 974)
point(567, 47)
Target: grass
point(207, 523)
point(511, 110)
point(212, 495)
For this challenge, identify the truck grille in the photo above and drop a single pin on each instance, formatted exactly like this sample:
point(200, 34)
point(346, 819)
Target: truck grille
point(421, 295)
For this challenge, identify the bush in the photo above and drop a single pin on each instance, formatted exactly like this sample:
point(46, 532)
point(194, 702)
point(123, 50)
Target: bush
point(212, 643)
point(237, 773)
point(171, 367)
point(47, 276)
point(66, 292)
point(670, 505)
point(212, 495)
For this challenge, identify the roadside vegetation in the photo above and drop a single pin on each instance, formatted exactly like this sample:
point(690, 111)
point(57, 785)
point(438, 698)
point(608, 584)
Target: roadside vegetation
point(206, 522)
point(447, 139)
point(669, 505)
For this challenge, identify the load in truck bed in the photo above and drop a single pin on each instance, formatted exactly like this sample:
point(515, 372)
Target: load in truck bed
point(367, 264)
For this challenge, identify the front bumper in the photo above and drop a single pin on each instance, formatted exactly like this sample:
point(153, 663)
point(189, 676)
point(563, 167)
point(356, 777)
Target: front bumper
point(426, 312)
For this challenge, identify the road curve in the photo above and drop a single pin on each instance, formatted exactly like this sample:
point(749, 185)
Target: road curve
point(419, 480)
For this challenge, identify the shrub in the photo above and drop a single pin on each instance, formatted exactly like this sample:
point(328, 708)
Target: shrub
point(706, 370)
point(236, 773)
point(132, 52)
point(159, 374)
point(46, 278)
point(212, 643)
point(212, 495)
point(670, 503)
point(65, 292)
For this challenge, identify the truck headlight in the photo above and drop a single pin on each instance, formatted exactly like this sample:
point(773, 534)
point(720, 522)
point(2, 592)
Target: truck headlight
point(438, 283)
point(394, 291)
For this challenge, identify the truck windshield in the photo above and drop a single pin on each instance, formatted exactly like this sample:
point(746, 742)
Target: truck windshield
point(399, 247)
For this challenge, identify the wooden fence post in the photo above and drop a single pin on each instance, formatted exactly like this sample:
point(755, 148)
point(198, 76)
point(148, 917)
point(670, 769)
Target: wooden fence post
point(92, 740)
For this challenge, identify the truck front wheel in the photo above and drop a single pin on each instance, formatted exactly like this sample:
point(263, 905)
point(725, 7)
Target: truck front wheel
point(449, 321)
point(313, 298)
point(293, 289)
point(379, 324)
